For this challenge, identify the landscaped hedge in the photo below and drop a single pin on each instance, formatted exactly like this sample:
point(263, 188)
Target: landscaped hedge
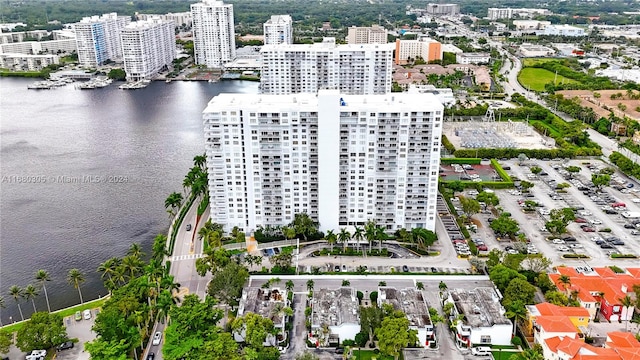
point(447, 144)
point(625, 164)
point(623, 256)
point(470, 161)
point(575, 256)
point(485, 184)
point(531, 153)
point(503, 174)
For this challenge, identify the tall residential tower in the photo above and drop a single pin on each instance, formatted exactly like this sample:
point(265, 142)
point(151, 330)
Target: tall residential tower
point(342, 159)
point(278, 30)
point(214, 37)
point(307, 68)
point(98, 39)
point(148, 46)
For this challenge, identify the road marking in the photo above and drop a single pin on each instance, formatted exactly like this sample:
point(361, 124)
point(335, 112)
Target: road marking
point(186, 257)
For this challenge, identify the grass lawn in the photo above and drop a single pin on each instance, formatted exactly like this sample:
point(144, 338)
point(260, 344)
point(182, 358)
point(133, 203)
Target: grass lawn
point(535, 79)
point(504, 355)
point(532, 61)
point(369, 354)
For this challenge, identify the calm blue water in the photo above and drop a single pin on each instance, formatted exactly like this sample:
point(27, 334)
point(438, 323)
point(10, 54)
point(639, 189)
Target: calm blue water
point(145, 139)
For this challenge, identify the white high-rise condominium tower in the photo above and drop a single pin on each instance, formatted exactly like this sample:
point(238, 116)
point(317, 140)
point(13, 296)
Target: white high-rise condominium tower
point(98, 39)
point(342, 159)
point(307, 68)
point(214, 37)
point(278, 30)
point(148, 46)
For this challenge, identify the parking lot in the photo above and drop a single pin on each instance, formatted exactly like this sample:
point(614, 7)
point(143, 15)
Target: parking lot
point(596, 211)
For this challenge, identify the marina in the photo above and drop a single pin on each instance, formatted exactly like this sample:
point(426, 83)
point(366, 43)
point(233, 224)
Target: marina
point(135, 85)
point(96, 83)
point(49, 84)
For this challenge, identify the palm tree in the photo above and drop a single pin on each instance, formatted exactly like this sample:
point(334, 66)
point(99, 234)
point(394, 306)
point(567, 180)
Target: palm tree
point(627, 303)
point(108, 268)
point(344, 238)
point(135, 250)
point(280, 310)
point(173, 201)
point(419, 285)
point(331, 238)
point(132, 264)
point(565, 281)
point(531, 354)
point(30, 293)
point(159, 248)
point(2, 306)
point(43, 276)
point(381, 235)
point(289, 285)
point(76, 278)
point(16, 293)
point(370, 232)
point(358, 235)
point(418, 237)
point(310, 285)
point(200, 161)
point(517, 312)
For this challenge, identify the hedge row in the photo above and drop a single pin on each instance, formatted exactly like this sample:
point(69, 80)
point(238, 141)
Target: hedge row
point(531, 153)
point(503, 174)
point(625, 164)
point(470, 161)
point(485, 184)
point(447, 144)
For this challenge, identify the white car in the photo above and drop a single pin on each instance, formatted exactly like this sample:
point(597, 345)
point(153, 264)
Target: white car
point(595, 221)
point(86, 314)
point(635, 200)
point(37, 355)
point(481, 351)
point(595, 238)
point(156, 338)
point(557, 241)
point(563, 248)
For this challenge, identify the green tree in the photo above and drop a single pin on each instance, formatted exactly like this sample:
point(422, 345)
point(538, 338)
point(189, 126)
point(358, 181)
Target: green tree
point(331, 238)
point(488, 198)
point(526, 185)
point(455, 186)
point(173, 202)
point(304, 225)
point(227, 283)
point(556, 298)
point(627, 303)
point(469, 206)
point(344, 236)
point(310, 285)
point(6, 340)
point(253, 328)
point(502, 276)
point(358, 236)
point(100, 349)
point(517, 312)
point(2, 306)
point(16, 293)
point(31, 293)
point(76, 278)
point(43, 332)
point(42, 276)
point(505, 225)
point(495, 257)
point(117, 74)
point(519, 290)
point(282, 260)
point(565, 280)
point(573, 170)
point(535, 170)
point(600, 180)
point(370, 320)
point(394, 335)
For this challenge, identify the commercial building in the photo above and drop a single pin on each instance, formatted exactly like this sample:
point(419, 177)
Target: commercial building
point(278, 30)
point(25, 62)
point(473, 58)
point(411, 302)
point(148, 47)
point(425, 48)
point(374, 34)
point(342, 159)
point(98, 39)
point(509, 13)
point(562, 30)
point(530, 25)
point(307, 68)
point(529, 50)
point(40, 47)
point(484, 321)
point(443, 9)
point(181, 19)
point(339, 310)
point(268, 303)
point(214, 37)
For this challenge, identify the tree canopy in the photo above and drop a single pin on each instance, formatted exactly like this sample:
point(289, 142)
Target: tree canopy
point(44, 331)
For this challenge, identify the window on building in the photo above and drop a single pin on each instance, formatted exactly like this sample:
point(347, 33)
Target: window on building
point(485, 339)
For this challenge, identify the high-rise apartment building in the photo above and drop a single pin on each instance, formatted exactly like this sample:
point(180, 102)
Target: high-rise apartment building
point(375, 34)
point(409, 50)
point(307, 68)
point(214, 37)
point(342, 159)
point(443, 9)
point(98, 39)
point(148, 46)
point(278, 30)
point(509, 13)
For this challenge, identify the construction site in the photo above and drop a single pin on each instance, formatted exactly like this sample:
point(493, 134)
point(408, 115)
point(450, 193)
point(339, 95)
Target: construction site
point(486, 132)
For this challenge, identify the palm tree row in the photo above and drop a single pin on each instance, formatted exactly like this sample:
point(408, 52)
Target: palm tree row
point(371, 232)
point(31, 291)
point(195, 183)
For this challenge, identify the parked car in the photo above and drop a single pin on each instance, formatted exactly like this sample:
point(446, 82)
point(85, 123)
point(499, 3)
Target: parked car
point(569, 238)
point(617, 242)
point(151, 356)
point(580, 220)
point(595, 221)
point(483, 248)
point(188, 227)
point(405, 268)
point(606, 246)
point(78, 316)
point(86, 314)
point(588, 229)
point(557, 241)
point(65, 345)
point(629, 226)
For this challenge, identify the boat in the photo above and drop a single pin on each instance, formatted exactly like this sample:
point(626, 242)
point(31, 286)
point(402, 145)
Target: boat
point(135, 85)
point(40, 85)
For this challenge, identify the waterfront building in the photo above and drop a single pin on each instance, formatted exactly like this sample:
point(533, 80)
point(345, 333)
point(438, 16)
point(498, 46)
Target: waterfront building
point(307, 68)
point(342, 159)
point(148, 46)
point(98, 39)
point(214, 37)
point(374, 34)
point(278, 30)
point(27, 62)
point(40, 47)
point(409, 50)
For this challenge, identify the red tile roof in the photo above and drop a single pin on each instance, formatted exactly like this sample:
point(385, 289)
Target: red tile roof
point(601, 280)
point(556, 324)
point(547, 309)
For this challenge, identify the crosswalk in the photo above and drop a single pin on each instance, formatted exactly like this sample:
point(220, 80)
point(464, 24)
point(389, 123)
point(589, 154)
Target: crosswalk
point(186, 257)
